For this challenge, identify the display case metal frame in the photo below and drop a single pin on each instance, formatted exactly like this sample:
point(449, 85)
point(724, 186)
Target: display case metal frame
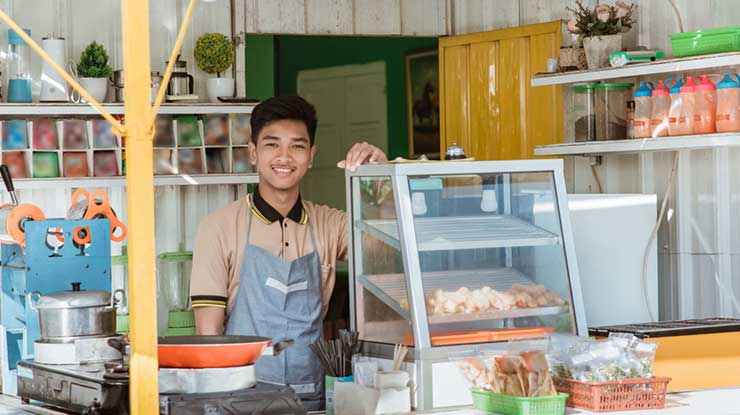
point(423, 355)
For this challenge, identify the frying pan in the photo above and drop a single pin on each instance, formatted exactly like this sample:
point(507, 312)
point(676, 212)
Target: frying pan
point(198, 352)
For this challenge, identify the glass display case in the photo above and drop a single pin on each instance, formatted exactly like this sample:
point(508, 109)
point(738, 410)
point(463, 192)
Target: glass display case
point(451, 258)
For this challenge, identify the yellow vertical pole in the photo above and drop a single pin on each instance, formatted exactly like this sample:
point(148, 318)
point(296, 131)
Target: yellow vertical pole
point(140, 187)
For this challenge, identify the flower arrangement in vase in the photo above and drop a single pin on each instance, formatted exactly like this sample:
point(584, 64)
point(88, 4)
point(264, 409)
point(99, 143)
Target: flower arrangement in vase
point(601, 29)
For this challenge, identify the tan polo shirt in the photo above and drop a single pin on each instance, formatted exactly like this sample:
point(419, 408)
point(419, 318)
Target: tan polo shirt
point(222, 236)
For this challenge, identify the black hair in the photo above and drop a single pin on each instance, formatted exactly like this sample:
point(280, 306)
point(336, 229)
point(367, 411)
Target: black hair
point(287, 107)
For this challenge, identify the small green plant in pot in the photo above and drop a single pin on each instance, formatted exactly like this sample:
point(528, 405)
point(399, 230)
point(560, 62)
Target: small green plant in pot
point(94, 70)
point(214, 54)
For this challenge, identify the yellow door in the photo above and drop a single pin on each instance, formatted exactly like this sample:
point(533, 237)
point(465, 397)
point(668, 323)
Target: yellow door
point(487, 103)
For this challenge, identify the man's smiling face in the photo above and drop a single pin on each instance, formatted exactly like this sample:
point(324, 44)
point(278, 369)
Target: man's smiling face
point(283, 154)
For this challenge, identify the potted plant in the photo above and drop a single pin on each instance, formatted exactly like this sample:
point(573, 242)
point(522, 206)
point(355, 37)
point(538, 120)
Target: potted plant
point(94, 71)
point(601, 29)
point(214, 54)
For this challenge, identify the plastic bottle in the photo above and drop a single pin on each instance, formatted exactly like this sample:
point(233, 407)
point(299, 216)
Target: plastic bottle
point(643, 110)
point(686, 121)
point(674, 113)
point(660, 108)
point(706, 107)
point(728, 104)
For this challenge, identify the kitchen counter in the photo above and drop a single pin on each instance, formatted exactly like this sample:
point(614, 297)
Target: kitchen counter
point(708, 402)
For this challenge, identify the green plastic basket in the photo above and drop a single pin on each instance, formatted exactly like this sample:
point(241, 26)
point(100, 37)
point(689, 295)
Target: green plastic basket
point(705, 42)
point(510, 405)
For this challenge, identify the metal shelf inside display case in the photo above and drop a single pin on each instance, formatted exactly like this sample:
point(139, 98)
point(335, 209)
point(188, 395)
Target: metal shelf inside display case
point(391, 289)
point(463, 232)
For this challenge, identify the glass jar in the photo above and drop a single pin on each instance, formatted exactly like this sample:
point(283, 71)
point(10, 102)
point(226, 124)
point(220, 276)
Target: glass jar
point(610, 104)
point(19, 68)
point(584, 112)
point(174, 275)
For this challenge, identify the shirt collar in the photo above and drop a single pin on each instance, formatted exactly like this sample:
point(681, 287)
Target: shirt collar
point(269, 214)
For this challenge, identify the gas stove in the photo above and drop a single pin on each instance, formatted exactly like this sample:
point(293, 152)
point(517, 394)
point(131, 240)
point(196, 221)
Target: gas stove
point(102, 389)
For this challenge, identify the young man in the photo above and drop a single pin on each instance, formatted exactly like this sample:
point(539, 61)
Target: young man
point(264, 265)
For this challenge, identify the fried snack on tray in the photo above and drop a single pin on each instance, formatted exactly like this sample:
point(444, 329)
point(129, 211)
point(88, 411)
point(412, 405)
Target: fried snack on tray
point(467, 301)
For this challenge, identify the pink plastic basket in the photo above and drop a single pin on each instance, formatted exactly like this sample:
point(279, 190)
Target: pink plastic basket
point(619, 395)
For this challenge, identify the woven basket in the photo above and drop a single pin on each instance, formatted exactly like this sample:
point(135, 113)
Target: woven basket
point(572, 59)
point(619, 395)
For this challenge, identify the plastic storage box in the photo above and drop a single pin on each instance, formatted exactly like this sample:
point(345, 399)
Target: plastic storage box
point(511, 405)
point(704, 42)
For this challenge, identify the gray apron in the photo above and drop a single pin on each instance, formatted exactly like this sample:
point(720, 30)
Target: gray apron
point(281, 299)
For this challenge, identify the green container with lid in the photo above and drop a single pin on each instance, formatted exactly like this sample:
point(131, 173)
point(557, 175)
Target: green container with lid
point(610, 106)
point(584, 112)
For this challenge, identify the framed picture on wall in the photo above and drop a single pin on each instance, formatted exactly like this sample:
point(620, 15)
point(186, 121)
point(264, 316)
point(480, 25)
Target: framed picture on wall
point(422, 103)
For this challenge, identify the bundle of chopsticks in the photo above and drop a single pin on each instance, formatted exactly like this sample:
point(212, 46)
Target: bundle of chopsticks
point(336, 355)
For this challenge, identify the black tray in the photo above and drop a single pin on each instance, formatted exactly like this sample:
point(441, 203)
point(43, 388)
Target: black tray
point(671, 328)
point(263, 399)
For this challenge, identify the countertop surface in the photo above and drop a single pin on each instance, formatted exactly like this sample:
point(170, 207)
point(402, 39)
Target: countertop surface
point(708, 402)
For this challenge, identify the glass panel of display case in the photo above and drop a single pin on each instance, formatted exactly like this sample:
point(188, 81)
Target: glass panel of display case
point(491, 256)
point(381, 296)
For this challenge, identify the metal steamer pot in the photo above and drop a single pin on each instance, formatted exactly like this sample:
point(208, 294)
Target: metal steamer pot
point(67, 316)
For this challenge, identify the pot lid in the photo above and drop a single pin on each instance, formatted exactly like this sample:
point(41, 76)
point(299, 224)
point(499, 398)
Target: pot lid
point(179, 64)
point(455, 150)
point(76, 298)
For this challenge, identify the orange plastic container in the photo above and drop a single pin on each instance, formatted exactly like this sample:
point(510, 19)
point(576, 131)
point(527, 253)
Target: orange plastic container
point(674, 113)
point(687, 121)
point(643, 110)
point(706, 107)
point(660, 108)
point(728, 104)
point(626, 394)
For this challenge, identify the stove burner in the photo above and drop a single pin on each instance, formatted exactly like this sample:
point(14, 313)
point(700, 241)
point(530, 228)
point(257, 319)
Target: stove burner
point(102, 389)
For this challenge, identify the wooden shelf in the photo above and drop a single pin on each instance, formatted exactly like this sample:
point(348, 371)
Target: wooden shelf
point(43, 109)
point(687, 142)
point(179, 180)
point(693, 63)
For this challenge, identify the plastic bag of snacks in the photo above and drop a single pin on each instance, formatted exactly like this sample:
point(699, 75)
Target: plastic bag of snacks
point(526, 374)
point(622, 356)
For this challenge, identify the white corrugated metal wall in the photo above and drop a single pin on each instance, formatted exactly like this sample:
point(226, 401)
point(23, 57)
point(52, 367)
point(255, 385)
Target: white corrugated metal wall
point(701, 239)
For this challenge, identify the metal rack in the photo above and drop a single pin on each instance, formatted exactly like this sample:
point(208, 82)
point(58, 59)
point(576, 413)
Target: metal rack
point(470, 232)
